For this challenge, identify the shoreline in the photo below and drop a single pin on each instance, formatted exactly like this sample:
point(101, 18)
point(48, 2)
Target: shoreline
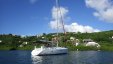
point(74, 48)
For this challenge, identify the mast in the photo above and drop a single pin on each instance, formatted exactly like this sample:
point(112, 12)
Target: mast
point(61, 19)
point(57, 20)
point(60, 13)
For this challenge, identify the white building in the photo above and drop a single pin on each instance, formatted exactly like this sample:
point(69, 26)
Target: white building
point(21, 45)
point(23, 36)
point(72, 38)
point(77, 42)
point(43, 37)
point(25, 42)
point(0, 41)
point(39, 35)
point(93, 44)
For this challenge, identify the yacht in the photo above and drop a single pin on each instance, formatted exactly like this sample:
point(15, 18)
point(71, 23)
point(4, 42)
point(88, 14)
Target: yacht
point(49, 51)
point(54, 50)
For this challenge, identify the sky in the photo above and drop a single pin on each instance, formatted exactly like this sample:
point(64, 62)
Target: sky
point(31, 17)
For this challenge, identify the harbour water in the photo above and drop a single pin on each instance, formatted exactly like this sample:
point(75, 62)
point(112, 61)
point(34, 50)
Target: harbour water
point(73, 57)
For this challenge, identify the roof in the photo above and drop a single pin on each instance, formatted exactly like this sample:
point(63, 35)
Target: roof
point(45, 41)
point(87, 40)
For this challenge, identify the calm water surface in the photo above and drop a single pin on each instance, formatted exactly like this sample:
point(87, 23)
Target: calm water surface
point(75, 57)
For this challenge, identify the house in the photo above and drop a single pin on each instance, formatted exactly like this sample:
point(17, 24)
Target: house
point(23, 36)
point(74, 41)
point(77, 42)
point(90, 42)
point(93, 44)
point(23, 44)
point(72, 38)
point(43, 37)
point(39, 35)
point(0, 41)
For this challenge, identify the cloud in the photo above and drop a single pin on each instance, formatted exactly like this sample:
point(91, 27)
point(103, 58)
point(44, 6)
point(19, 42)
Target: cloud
point(33, 1)
point(103, 9)
point(73, 27)
point(62, 13)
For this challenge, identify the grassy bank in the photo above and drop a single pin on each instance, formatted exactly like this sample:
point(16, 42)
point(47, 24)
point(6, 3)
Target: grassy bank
point(28, 47)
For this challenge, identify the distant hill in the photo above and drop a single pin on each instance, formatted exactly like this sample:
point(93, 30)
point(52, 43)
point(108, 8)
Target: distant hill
point(10, 41)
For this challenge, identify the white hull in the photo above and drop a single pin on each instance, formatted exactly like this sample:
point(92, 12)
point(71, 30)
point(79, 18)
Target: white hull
point(49, 51)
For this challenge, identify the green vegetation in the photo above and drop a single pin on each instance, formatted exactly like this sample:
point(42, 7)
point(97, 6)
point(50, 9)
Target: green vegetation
point(17, 42)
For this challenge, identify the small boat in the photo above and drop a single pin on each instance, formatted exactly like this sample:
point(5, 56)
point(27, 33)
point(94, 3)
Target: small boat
point(50, 50)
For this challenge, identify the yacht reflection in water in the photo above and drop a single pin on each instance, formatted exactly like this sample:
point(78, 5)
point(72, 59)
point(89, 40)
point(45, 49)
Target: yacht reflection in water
point(54, 59)
point(36, 59)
